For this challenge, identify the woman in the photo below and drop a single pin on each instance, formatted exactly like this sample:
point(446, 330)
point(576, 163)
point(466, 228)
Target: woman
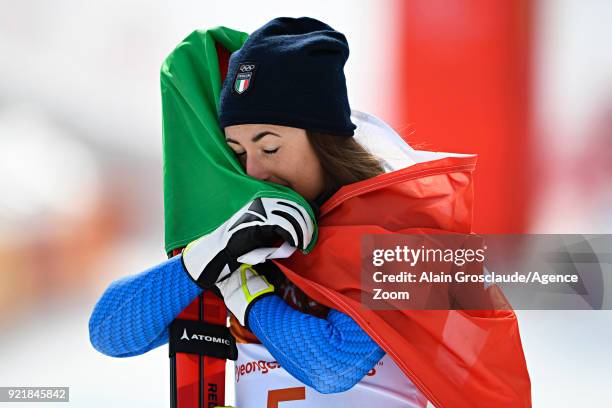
point(285, 113)
point(296, 135)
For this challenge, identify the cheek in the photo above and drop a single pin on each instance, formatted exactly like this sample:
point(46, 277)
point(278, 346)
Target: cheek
point(307, 176)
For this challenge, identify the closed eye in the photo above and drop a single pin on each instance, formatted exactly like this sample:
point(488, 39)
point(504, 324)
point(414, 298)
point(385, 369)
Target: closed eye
point(241, 158)
point(271, 151)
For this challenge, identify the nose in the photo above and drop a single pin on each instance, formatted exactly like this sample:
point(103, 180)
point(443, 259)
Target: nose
point(255, 168)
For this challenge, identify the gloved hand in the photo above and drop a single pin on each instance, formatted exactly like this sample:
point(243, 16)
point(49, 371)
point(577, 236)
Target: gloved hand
point(241, 289)
point(250, 236)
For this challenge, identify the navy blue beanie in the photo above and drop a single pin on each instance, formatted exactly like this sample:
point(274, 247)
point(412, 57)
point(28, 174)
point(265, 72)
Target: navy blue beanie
point(290, 73)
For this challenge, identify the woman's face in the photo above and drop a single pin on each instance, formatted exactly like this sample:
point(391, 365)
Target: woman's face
point(278, 154)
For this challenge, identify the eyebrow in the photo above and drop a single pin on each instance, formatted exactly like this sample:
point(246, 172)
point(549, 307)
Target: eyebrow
point(255, 138)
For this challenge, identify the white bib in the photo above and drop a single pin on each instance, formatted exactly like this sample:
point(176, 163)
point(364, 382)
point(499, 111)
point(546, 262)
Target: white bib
point(260, 381)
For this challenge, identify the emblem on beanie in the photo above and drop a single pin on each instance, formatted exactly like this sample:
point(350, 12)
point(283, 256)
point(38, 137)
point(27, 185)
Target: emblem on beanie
point(244, 77)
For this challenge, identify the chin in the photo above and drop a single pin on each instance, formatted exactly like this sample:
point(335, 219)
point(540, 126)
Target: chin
point(309, 197)
point(300, 192)
point(305, 194)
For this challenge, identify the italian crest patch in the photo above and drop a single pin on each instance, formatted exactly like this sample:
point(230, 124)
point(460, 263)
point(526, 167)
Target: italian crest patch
point(244, 77)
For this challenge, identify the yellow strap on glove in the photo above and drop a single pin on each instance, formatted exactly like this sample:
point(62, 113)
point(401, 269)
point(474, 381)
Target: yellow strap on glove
point(241, 289)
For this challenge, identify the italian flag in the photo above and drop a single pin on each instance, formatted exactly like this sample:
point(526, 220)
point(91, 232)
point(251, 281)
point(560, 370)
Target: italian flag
point(457, 359)
point(241, 85)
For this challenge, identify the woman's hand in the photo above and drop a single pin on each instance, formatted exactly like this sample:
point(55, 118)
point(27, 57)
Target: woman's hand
point(242, 289)
point(252, 235)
